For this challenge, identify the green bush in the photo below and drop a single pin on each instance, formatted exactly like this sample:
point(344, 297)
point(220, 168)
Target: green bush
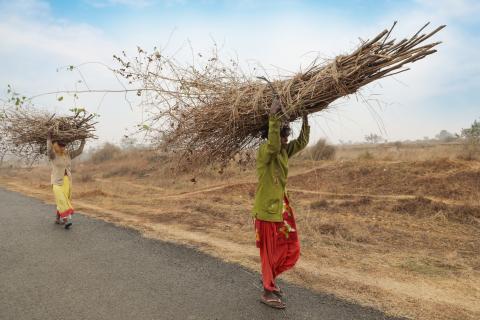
point(471, 135)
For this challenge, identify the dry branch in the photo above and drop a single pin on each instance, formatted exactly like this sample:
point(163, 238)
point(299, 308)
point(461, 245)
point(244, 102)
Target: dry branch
point(212, 112)
point(24, 130)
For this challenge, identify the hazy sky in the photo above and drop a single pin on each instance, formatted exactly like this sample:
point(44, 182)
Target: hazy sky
point(440, 92)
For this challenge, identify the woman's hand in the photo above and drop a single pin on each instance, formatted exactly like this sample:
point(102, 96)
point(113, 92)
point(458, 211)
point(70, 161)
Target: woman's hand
point(50, 151)
point(79, 151)
point(276, 106)
point(305, 119)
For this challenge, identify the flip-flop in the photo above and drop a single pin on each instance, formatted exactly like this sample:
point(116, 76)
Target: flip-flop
point(275, 303)
point(278, 293)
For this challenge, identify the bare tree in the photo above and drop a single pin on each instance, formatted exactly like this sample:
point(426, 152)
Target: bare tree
point(373, 138)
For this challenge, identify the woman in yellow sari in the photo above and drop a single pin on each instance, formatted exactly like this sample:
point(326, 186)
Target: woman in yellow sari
point(61, 179)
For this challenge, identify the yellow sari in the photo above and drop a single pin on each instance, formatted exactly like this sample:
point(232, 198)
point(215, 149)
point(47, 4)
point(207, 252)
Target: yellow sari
point(63, 198)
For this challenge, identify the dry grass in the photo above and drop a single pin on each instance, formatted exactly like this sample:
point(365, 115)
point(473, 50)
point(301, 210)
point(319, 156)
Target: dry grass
point(401, 236)
point(403, 151)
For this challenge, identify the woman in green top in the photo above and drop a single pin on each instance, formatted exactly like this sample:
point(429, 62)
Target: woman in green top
point(276, 232)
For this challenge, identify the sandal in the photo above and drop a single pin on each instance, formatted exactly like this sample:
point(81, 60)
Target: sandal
point(273, 302)
point(277, 291)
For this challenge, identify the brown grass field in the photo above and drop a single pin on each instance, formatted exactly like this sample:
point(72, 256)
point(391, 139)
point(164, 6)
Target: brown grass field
point(395, 228)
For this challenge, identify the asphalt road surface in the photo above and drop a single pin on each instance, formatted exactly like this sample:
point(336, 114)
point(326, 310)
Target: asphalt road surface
point(100, 271)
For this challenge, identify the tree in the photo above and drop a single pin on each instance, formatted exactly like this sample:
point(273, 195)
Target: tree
point(128, 143)
point(472, 141)
point(473, 132)
point(445, 136)
point(373, 138)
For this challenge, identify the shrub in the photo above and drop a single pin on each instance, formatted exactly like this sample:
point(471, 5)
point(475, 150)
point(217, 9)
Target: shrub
point(471, 150)
point(366, 155)
point(85, 177)
point(472, 142)
point(118, 171)
point(321, 151)
point(106, 152)
point(320, 204)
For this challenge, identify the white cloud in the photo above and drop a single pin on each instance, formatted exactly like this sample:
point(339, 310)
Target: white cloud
point(26, 8)
point(452, 8)
point(139, 4)
point(35, 43)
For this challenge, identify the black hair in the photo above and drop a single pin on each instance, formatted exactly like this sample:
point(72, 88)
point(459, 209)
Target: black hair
point(284, 131)
point(264, 132)
point(61, 143)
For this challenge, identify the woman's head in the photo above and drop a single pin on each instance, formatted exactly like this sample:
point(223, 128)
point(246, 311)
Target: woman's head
point(284, 132)
point(59, 146)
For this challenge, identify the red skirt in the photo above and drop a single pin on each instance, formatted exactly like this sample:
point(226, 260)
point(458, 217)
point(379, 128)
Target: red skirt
point(278, 244)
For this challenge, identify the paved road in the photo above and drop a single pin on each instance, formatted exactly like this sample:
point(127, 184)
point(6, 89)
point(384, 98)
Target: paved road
point(99, 271)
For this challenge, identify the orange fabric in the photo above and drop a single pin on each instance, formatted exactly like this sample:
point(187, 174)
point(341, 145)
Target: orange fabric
point(279, 246)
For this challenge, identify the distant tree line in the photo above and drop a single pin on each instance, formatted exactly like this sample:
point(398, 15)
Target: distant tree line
point(470, 135)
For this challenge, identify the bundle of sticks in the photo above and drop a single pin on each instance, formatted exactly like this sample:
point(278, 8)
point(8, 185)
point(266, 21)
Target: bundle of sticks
point(212, 112)
point(24, 130)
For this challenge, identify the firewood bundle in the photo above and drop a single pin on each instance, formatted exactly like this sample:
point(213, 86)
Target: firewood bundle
point(24, 130)
point(212, 112)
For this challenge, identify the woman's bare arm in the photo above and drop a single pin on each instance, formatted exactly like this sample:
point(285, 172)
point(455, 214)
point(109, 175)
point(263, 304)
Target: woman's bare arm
point(79, 151)
point(50, 152)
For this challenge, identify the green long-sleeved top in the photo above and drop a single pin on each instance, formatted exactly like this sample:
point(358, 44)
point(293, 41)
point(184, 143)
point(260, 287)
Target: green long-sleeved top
point(272, 171)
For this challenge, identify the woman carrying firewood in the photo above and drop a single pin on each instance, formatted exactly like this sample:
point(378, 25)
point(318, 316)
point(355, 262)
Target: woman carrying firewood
point(276, 231)
point(61, 178)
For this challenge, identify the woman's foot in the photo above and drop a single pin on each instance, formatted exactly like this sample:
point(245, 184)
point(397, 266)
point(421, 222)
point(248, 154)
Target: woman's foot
point(57, 219)
point(67, 222)
point(272, 300)
point(277, 291)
